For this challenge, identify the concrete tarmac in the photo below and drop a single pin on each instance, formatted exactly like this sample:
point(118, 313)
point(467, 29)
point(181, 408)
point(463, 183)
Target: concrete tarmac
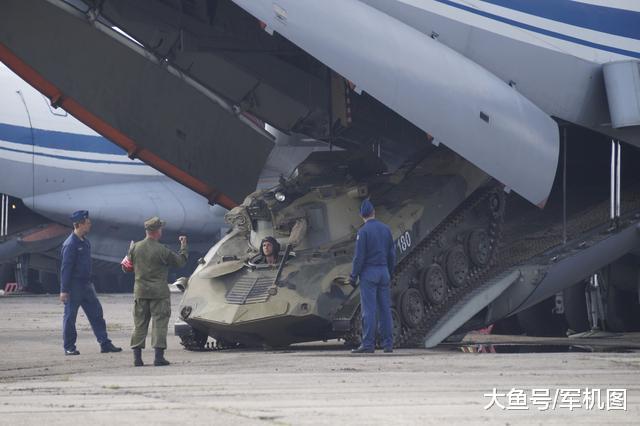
point(303, 385)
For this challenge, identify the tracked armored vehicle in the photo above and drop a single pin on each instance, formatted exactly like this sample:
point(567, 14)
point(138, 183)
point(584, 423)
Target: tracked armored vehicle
point(445, 217)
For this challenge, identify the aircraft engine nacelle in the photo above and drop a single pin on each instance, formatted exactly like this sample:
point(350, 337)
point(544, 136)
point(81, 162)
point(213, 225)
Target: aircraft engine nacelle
point(123, 208)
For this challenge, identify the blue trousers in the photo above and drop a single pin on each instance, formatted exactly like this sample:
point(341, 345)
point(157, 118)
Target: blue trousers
point(82, 295)
point(375, 298)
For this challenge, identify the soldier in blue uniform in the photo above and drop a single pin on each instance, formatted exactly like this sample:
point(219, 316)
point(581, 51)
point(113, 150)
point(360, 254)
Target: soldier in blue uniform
point(77, 291)
point(373, 263)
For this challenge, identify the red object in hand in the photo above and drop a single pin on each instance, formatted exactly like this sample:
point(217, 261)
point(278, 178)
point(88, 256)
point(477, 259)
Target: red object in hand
point(127, 265)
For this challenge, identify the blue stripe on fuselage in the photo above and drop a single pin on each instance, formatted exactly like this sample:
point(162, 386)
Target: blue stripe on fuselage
point(62, 157)
point(541, 30)
point(620, 22)
point(58, 140)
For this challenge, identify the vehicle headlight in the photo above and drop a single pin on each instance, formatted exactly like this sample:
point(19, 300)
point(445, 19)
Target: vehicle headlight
point(280, 196)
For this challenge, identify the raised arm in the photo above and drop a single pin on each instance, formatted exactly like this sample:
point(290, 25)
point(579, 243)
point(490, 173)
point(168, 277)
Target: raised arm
point(177, 260)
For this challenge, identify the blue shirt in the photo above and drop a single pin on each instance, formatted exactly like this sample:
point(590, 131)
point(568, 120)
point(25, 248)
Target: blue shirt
point(76, 262)
point(374, 248)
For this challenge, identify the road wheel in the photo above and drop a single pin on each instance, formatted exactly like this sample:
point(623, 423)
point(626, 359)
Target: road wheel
point(412, 307)
point(433, 283)
point(457, 266)
point(479, 246)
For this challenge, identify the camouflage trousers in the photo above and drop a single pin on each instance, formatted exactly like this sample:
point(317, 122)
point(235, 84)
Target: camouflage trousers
point(143, 311)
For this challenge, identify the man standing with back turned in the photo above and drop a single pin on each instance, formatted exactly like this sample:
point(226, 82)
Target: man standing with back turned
point(373, 262)
point(76, 289)
point(151, 262)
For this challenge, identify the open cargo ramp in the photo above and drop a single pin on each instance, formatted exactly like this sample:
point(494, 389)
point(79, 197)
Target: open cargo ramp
point(533, 267)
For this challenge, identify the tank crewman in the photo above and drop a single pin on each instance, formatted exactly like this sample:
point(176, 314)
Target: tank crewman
point(373, 263)
point(270, 249)
point(151, 262)
point(76, 289)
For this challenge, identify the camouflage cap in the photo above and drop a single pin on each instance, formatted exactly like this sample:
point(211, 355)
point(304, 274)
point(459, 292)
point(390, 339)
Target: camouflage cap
point(153, 224)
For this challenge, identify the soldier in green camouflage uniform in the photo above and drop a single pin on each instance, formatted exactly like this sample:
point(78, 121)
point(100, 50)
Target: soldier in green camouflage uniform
point(151, 262)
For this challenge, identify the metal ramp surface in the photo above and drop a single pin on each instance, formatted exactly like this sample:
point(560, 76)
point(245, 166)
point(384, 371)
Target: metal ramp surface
point(531, 268)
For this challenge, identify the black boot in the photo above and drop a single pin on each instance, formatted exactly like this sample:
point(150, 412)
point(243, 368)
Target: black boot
point(107, 347)
point(137, 357)
point(160, 361)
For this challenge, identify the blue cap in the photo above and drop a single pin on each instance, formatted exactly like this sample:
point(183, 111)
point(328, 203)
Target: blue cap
point(366, 208)
point(79, 216)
